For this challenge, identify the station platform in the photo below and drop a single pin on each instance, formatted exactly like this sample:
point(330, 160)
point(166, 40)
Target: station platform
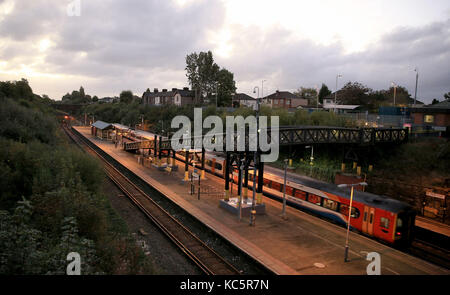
point(301, 245)
point(434, 226)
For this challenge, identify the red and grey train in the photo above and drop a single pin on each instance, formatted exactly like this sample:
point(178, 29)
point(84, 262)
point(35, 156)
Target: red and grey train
point(379, 217)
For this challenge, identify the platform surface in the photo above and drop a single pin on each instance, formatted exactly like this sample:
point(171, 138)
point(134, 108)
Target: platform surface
point(432, 225)
point(292, 246)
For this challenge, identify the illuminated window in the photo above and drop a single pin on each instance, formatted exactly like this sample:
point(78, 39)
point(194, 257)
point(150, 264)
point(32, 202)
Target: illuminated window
point(314, 199)
point(428, 119)
point(330, 204)
point(344, 210)
point(384, 222)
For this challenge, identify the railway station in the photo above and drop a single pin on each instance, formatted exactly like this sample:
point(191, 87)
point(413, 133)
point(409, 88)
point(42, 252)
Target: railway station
point(297, 243)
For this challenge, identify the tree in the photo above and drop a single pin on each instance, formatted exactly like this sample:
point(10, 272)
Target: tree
point(435, 101)
point(226, 86)
point(447, 95)
point(126, 96)
point(353, 93)
point(205, 75)
point(307, 93)
point(323, 92)
point(95, 98)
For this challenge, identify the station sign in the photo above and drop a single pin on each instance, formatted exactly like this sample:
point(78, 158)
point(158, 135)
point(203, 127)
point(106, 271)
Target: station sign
point(435, 195)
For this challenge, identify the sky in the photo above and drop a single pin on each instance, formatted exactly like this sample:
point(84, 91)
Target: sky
point(108, 46)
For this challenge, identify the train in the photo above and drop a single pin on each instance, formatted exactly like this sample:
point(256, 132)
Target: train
point(379, 217)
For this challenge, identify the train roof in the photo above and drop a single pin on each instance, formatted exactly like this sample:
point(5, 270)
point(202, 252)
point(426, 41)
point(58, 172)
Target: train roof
point(369, 199)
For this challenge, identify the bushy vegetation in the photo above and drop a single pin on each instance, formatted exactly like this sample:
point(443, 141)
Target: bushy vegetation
point(160, 117)
point(51, 202)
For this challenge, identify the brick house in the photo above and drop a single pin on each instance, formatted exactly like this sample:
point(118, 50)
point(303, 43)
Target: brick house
point(177, 97)
point(242, 99)
point(434, 117)
point(285, 100)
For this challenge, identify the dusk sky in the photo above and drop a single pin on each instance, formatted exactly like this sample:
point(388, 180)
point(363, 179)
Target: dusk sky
point(138, 44)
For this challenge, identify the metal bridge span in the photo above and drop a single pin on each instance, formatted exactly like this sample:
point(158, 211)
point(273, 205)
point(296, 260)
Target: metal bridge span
point(295, 135)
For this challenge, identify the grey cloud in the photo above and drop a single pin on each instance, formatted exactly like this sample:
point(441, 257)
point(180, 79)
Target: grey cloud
point(138, 44)
point(298, 63)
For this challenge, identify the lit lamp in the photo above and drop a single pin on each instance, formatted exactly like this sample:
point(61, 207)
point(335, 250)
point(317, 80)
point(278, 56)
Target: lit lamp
point(349, 212)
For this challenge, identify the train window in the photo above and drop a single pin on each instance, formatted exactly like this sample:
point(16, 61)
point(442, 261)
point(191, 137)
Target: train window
point(289, 190)
point(399, 222)
point(371, 218)
point(330, 204)
point(300, 194)
point(384, 222)
point(314, 199)
point(365, 216)
point(344, 210)
point(218, 166)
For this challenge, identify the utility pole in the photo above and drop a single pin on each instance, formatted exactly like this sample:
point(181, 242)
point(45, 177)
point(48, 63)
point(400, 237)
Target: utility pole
point(255, 159)
point(335, 93)
point(284, 189)
point(216, 97)
point(417, 79)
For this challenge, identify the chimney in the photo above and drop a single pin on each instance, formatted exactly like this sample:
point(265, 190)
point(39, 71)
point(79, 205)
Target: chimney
point(186, 88)
point(155, 90)
point(164, 90)
point(174, 89)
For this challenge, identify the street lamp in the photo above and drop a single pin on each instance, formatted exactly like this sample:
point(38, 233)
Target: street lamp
point(262, 88)
point(311, 163)
point(255, 157)
point(395, 90)
point(317, 94)
point(349, 213)
point(335, 93)
point(284, 189)
point(417, 79)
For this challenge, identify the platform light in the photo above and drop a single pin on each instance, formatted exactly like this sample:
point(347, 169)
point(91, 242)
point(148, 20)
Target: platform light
point(352, 185)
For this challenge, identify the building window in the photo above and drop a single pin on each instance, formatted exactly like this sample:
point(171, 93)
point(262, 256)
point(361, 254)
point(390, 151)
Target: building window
point(157, 100)
point(428, 119)
point(384, 222)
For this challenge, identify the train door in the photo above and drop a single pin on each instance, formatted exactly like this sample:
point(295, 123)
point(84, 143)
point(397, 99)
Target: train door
point(368, 220)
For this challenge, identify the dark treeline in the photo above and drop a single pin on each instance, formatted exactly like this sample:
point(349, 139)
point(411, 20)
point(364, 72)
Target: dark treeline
point(159, 118)
point(51, 200)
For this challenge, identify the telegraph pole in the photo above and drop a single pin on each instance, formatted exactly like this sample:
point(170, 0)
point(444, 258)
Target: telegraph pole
point(417, 79)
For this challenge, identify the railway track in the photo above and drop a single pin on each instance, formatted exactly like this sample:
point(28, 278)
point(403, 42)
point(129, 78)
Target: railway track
point(203, 256)
point(431, 253)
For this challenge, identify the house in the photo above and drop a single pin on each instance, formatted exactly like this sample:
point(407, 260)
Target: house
point(434, 117)
point(242, 99)
point(177, 97)
point(285, 99)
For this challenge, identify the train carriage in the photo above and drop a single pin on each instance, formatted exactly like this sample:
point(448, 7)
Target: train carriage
point(379, 217)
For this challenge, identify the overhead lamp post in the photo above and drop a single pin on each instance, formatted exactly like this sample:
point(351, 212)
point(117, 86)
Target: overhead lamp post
point(417, 79)
point(349, 213)
point(283, 214)
point(255, 158)
point(317, 94)
point(395, 90)
point(262, 88)
point(335, 93)
point(311, 163)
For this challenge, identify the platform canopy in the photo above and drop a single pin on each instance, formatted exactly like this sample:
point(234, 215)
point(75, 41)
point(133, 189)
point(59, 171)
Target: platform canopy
point(102, 125)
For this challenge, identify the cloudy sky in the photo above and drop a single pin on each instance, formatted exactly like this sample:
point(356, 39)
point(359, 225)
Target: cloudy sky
point(138, 44)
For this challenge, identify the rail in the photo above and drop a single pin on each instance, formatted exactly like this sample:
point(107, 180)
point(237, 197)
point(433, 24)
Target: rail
point(203, 256)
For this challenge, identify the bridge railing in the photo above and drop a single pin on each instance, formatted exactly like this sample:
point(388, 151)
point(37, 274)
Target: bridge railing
point(295, 136)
